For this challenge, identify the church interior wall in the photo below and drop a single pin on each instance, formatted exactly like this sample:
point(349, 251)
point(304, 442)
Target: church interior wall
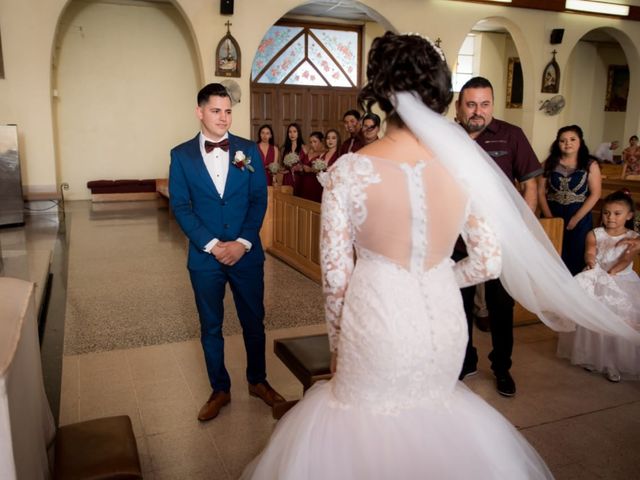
point(125, 83)
point(28, 29)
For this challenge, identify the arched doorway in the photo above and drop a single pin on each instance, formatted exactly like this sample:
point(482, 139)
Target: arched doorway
point(493, 50)
point(310, 71)
point(598, 76)
point(112, 118)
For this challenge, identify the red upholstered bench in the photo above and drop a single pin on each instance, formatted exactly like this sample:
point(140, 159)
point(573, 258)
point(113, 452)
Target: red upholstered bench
point(122, 190)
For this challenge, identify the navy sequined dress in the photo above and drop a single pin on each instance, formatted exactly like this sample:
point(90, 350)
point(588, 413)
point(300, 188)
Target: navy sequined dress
point(567, 190)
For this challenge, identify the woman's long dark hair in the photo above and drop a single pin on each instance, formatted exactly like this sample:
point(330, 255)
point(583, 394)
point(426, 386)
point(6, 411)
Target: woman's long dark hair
point(405, 63)
point(286, 148)
point(268, 127)
point(584, 157)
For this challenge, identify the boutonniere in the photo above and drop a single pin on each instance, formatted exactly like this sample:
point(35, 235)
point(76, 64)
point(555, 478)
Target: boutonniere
point(240, 160)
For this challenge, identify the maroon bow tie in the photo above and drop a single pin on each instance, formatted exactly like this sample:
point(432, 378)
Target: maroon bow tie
point(224, 145)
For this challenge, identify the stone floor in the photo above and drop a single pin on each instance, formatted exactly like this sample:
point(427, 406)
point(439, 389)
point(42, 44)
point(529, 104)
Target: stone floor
point(583, 426)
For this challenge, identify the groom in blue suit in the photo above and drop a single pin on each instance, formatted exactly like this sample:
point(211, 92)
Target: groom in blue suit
point(218, 193)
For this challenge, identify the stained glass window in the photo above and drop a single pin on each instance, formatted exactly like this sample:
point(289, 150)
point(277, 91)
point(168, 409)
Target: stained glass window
point(298, 55)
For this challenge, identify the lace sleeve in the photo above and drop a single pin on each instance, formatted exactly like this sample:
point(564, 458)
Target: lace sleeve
point(336, 249)
point(485, 258)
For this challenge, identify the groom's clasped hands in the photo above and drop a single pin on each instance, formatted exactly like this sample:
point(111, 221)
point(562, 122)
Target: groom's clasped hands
point(228, 253)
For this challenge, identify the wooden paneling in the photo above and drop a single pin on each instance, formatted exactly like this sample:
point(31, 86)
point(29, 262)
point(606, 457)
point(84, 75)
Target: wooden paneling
point(263, 108)
point(297, 224)
point(313, 108)
point(554, 228)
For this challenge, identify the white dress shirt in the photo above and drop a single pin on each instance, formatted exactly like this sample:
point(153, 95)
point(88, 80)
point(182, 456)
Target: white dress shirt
point(217, 163)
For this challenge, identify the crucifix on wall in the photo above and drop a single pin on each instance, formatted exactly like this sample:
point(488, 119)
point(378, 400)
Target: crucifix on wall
point(228, 55)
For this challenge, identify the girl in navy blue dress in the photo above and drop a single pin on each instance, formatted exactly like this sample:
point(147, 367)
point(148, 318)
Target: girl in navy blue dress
point(570, 188)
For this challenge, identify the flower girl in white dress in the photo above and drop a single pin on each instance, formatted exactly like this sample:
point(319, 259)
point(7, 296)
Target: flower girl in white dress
point(611, 279)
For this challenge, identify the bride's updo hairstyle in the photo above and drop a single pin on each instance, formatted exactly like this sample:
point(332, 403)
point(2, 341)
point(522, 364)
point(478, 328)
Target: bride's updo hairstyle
point(400, 63)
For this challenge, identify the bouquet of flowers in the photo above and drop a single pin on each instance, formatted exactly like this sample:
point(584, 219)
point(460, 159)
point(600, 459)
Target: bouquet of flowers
point(291, 159)
point(319, 165)
point(274, 168)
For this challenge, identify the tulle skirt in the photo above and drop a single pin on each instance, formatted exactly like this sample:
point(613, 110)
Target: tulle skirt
point(463, 438)
point(621, 294)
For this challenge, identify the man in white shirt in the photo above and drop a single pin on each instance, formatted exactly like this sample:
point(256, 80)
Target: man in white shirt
point(605, 151)
point(218, 193)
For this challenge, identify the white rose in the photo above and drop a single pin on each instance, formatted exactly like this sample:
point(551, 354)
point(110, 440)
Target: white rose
point(240, 156)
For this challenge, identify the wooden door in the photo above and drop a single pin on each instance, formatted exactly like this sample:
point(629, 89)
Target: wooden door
point(313, 108)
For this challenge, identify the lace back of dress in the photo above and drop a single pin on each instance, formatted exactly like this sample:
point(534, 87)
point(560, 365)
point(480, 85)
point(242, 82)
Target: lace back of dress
point(410, 215)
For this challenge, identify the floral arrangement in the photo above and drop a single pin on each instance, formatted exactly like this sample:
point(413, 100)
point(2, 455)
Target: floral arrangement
point(240, 160)
point(274, 168)
point(319, 165)
point(291, 159)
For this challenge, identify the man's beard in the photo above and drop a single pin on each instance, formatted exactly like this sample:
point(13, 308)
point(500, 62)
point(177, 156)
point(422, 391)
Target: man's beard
point(474, 127)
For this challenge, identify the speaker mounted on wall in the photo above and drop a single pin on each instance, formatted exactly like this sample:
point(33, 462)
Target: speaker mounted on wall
point(226, 7)
point(556, 36)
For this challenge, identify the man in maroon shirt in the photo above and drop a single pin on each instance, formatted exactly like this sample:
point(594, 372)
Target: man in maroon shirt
point(509, 148)
point(352, 125)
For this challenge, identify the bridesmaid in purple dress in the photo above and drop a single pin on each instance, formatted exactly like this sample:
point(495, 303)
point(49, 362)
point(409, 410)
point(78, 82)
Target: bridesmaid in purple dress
point(294, 143)
point(332, 141)
point(307, 185)
point(268, 150)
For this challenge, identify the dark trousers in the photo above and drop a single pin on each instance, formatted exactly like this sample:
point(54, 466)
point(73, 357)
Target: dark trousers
point(500, 306)
point(247, 286)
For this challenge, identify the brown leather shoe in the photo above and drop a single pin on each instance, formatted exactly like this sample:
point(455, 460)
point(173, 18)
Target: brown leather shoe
point(216, 401)
point(266, 393)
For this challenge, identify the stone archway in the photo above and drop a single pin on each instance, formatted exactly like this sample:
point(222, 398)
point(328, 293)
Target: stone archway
point(313, 107)
point(108, 58)
point(593, 53)
point(508, 42)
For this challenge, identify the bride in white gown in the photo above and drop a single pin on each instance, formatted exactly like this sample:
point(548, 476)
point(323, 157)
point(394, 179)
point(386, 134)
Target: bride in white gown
point(394, 408)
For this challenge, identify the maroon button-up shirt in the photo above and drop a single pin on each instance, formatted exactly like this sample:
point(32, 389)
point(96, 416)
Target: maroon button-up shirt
point(510, 149)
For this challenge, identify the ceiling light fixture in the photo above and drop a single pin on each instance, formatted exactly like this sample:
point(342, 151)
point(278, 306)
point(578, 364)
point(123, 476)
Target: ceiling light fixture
point(597, 7)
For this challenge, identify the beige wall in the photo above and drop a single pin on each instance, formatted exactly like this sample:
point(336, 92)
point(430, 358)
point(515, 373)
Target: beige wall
point(29, 29)
point(125, 84)
point(586, 81)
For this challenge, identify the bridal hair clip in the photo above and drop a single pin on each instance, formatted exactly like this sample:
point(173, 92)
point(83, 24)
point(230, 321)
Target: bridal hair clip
point(432, 43)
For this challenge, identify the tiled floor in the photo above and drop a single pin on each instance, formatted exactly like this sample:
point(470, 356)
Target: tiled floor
point(583, 426)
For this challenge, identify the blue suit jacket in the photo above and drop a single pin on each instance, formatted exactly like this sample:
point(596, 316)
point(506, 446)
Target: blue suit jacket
point(203, 215)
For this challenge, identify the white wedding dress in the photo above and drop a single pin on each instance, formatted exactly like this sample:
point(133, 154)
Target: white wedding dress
point(621, 294)
point(395, 408)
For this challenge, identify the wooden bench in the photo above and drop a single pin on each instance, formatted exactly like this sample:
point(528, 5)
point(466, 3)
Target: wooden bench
point(100, 449)
point(308, 358)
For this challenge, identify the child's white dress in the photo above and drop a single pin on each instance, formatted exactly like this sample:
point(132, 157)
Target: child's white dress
point(621, 293)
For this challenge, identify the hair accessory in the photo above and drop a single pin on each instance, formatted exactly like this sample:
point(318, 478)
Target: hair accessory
point(432, 43)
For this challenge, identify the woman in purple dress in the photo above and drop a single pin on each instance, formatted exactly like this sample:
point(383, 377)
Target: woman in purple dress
point(293, 144)
point(307, 185)
point(268, 150)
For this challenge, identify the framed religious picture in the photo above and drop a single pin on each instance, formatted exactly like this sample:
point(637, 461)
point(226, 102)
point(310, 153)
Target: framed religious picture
point(228, 56)
point(617, 88)
point(551, 76)
point(515, 83)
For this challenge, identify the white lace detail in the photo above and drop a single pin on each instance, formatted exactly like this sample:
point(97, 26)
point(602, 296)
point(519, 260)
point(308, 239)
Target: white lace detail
point(418, 215)
point(396, 349)
point(485, 260)
point(343, 211)
point(620, 291)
